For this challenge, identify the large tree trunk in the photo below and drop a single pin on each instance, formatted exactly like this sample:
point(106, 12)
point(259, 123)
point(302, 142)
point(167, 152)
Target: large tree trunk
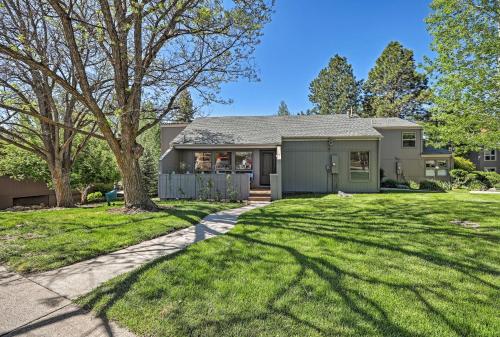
point(136, 195)
point(62, 187)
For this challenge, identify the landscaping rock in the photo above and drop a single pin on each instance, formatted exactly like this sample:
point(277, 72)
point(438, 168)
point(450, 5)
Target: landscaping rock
point(466, 224)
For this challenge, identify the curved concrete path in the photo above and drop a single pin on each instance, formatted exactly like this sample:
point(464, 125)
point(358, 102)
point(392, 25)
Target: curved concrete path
point(40, 304)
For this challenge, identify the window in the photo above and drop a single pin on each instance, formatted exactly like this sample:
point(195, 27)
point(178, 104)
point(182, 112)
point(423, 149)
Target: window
point(203, 161)
point(436, 168)
point(430, 168)
point(360, 166)
point(490, 169)
point(223, 161)
point(409, 139)
point(442, 168)
point(490, 155)
point(243, 161)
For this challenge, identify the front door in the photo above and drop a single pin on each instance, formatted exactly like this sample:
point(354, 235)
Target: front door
point(267, 166)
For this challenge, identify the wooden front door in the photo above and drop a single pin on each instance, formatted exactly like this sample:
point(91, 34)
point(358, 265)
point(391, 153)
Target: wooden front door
point(267, 166)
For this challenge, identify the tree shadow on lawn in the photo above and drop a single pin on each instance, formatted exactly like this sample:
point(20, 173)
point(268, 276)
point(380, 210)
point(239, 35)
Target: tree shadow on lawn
point(365, 314)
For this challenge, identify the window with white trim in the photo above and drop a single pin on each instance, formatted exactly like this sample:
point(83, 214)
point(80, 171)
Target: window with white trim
point(360, 166)
point(490, 155)
point(409, 139)
point(490, 169)
point(436, 168)
point(430, 170)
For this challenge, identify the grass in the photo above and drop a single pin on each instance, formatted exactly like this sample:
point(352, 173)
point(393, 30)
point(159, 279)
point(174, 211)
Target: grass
point(48, 239)
point(371, 265)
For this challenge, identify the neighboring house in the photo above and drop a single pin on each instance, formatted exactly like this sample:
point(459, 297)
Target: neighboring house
point(24, 193)
point(487, 160)
point(290, 154)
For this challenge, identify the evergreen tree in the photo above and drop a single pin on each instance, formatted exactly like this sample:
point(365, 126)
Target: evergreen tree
point(185, 112)
point(394, 87)
point(149, 170)
point(335, 90)
point(466, 89)
point(283, 109)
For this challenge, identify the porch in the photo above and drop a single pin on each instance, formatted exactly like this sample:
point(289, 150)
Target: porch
point(220, 173)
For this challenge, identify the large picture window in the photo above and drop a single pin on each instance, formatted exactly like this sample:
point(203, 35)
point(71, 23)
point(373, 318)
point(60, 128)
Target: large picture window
point(203, 161)
point(243, 161)
point(409, 139)
point(490, 155)
point(223, 161)
point(360, 166)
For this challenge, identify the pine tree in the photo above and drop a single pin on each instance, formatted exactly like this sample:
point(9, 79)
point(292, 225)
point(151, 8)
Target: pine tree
point(283, 109)
point(149, 172)
point(186, 111)
point(394, 87)
point(335, 90)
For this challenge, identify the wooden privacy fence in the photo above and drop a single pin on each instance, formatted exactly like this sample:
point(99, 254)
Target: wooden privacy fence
point(210, 186)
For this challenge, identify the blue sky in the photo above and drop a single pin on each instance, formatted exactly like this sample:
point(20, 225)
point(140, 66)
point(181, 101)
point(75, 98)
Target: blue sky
point(304, 34)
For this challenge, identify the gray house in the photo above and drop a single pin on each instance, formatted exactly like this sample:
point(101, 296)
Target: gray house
point(487, 160)
point(293, 154)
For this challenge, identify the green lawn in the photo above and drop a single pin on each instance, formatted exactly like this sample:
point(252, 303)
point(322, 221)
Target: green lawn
point(371, 265)
point(48, 239)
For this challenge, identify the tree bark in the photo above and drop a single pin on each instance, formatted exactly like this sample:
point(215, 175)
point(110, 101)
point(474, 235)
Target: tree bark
point(134, 189)
point(84, 193)
point(62, 187)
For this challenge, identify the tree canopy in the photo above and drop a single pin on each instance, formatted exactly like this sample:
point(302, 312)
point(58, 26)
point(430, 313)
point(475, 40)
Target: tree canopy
point(335, 90)
point(185, 109)
point(394, 88)
point(466, 73)
point(127, 51)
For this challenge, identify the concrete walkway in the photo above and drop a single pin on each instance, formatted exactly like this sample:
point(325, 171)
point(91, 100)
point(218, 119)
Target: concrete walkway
point(40, 305)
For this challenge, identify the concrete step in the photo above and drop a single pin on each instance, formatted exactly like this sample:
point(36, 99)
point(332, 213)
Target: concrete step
point(260, 192)
point(259, 198)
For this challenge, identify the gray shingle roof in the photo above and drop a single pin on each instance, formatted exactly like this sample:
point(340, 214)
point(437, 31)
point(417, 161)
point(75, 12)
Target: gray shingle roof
point(269, 130)
point(392, 122)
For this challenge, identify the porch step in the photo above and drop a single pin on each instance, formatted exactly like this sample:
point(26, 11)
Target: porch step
point(259, 199)
point(259, 195)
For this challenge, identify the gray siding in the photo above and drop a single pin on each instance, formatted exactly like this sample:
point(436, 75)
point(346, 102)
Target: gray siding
point(168, 133)
point(478, 159)
point(304, 166)
point(391, 150)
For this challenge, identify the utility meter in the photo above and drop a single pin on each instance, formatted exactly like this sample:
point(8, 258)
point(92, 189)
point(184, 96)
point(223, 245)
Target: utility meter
point(335, 164)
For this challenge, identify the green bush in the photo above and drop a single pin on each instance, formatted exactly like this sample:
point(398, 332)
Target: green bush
point(492, 177)
point(464, 164)
point(459, 178)
point(95, 196)
point(477, 185)
point(390, 183)
point(413, 185)
point(435, 185)
point(103, 187)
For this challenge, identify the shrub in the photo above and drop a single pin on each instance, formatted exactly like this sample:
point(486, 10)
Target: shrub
point(464, 164)
point(413, 185)
point(103, 187)
point(435, 185)
point(459, 177)
point(390, 183)
point(477, 185)
point(95, 196)
point(492, 177)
